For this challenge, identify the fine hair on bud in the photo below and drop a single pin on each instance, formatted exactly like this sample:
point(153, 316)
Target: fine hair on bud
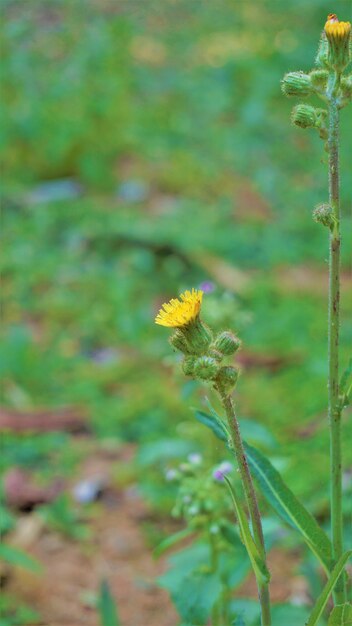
point(296, 84)
point(188, 365)
point(306, 116)
point(227, 343)
point(319, 79)
point(324, 214)
point(206, 368)
point(227, 378)
point(198, 336)
point(179, 341)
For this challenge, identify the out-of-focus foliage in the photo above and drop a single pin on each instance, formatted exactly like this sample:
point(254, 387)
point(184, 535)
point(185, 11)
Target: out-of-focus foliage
point(147, 148)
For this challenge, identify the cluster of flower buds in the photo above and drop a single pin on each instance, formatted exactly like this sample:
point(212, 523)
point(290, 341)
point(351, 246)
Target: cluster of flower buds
point(333, 56)
point(203, 352)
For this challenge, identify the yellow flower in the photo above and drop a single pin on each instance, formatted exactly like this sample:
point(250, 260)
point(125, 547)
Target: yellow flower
point(181, 311)
point(336, 30)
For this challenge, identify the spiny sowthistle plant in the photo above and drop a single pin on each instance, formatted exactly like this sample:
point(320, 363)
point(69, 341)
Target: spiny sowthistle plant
point(205, 354)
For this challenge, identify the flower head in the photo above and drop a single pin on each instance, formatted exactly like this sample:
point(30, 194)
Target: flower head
point(338, 36)
point(180, 311)
point(337, 30)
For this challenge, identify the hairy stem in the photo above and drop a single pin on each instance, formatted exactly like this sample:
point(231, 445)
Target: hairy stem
point(334, 410)
point(251, 498)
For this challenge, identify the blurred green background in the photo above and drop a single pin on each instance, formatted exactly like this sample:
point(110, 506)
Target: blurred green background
point(147, 148)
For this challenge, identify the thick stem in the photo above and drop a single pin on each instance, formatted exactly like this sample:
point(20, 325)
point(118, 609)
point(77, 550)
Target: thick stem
point(333, 340)
point(251, 498)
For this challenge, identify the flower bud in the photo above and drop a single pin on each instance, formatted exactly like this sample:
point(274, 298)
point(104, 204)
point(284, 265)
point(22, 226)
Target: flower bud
point(322, 58)
point(206, 368)
point(178, 341)
point(324, 214)
point(306, 116)
point(345, 90)
point(215, 354)
point(338, 36)
point(319, 79)
point(227, 343)
point(227, 378)
point(188, 365)
point(296, 84)
point(198, 336)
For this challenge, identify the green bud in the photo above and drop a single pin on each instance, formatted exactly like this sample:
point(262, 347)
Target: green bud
point(188, 365)
point(319, 79)
point(345, 94)
point(198, 336)
point(178, 341)
point(322, 58)
point(227, 343)
point(215, 354)
point(227, 378)
point(323, 214)
point(296, 84)
point(206, 368)
point(306, 116)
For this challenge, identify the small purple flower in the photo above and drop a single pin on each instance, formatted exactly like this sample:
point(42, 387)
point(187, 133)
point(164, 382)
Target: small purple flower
point(207, 286)
point(218, 475)
point(219, 472)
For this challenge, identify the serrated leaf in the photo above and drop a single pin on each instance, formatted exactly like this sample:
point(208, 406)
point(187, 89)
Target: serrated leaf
point(280, 496)
point(341, 615)
point(19, 558)
point(172, 540)
point(254, 551)
point(325, 594)
point(107, 606)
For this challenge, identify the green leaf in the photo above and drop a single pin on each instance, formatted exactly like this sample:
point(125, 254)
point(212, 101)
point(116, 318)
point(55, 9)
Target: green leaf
point(172, 540)
point(107, 606)
point(254, 552)
point(288, 506)
point(341, 615)
point(18, 557)
point(196, 596)
point(325, 594)
point(214, 423)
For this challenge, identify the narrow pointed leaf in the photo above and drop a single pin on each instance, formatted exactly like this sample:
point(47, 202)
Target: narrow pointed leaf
point(325, 594)
point(254, 553)
point(172, 540)
point(288, 506)
point(107, 606)
point(213, 423)
point(341, 615)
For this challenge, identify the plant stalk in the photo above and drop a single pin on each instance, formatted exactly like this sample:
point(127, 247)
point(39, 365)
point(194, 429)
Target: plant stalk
point(334, 410)
point(251, 498)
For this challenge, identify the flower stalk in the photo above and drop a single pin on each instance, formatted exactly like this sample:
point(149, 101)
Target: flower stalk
point(250, 495)
point(334, 410)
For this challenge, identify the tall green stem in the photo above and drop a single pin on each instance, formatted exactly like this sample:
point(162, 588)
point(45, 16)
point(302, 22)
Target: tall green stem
point(251, 498)
point(333, 336)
